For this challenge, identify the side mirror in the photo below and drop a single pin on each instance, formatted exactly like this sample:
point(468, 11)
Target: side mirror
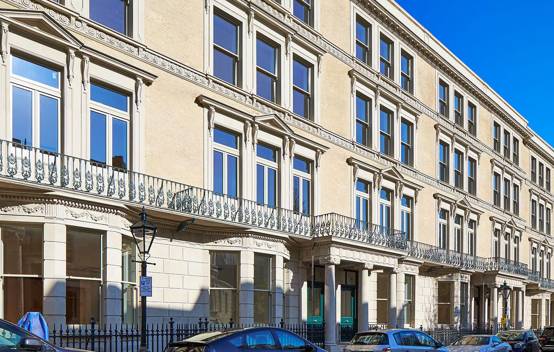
point(31, 344)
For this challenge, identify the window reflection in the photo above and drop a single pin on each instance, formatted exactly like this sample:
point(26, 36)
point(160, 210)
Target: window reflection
point(110, 13)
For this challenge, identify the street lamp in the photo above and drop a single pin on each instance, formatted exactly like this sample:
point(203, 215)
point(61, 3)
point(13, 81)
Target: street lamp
point(505, 291)
point(144, 233)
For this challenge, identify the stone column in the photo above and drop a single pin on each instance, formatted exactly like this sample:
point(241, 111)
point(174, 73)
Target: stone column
point(494, 307)
point(400, 299)
point(543, 312)
point(246, 288)
point(519, 308)
point(54, 247)
point(393, 312)
point(112, 289)
point(372, 298)
point(279, 298)
point(330, 309)
point(364, 298)
point(484, 308)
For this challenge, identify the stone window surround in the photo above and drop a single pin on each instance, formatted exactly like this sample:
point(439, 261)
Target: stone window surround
point(540, 201)
point(538, 248)
point(456, 208)
point(513, 134)
point(466, 100)
point(468, 152)
point(514, 180)
point(539, 160)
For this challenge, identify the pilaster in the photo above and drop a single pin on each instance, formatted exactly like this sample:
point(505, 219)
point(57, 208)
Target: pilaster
point(54, 271)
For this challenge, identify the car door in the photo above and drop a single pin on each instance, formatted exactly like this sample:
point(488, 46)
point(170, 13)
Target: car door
point(290, 342)
point(426, 342)
point(406, 341)
point(259, 340)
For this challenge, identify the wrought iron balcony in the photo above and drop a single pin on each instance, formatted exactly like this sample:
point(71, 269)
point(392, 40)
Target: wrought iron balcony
point(32, 165)
point(508, 266)
point(546, 283)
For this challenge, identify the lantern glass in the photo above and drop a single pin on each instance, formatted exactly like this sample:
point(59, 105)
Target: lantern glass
point(143, 233)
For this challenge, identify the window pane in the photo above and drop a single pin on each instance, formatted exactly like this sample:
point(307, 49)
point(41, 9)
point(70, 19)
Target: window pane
point(362, 109)
point(260, 187)
point(272, 188)
point(296, 195)
point(110, 13)
point(362, 32)
point(385, 49)
point(262, 307)
point(35, 72)
point(301, 164)
point(98, 137)
point(48, 123)
point(232, 176)
point(301, 75)
point(109, 97)
point(362, 186)
point(265, 86)
point(119, 143)
point(83, 251)
point(224, 66)
point(385, 121)
point(266, 152)
point(301, 11)
point(21, 295)
point(226, 138)
point(82, 301)
point(22, 116)
point(300, 103)
point(289, 341)
point(218, 172)
point(262, 272)
point(261, 340)
point(266, 56)
point(306, 196)
point(223, 305)
point(223, 273)
point(225, 34)
point(128, 266)
point(128, 303)
point(22, 248)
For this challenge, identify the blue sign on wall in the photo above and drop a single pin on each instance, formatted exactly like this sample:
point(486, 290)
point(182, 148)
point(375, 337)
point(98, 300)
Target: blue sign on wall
point(146, 286)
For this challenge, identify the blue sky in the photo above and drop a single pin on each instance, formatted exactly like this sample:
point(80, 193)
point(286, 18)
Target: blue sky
point(508, 43)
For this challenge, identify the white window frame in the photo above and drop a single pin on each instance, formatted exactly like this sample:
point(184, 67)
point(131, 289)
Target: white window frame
point(267, 164)
point(311, 59)
point(407, 212)
point(303, 176)
point(443, 229)
point(360, 197)
point(227, 151)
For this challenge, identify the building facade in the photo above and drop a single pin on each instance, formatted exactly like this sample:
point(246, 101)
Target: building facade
point(305, 161)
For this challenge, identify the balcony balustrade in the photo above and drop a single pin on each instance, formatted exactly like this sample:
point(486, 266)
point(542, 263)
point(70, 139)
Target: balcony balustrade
point(58, 171)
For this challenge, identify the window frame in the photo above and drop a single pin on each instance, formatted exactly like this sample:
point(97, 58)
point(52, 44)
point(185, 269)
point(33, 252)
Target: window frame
point(507, 189)
point(359, 199)
point(302, 176)
point(407, 146)
point(367, 47)
point(444, 165)
point(497, 189)
point(459, 112)
point(407, 76)
point(471, 176)
point(309, 5)
point(266, 165)
point(385, 206)
point(387, 63)
point(444, 102)
point(308, 95)
point(407, 216)
point(459, 172)
point(226, 151)
point(386, 136)
point(472, 118)
point(515, 198)
point(368, 125)
point(128, 18)
point(443, 228)
point(496, 136)
point(224, 14)
point(276, 77)
point(533, 169)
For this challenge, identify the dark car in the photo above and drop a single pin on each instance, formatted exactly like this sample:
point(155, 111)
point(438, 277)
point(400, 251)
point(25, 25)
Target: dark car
point(547, 339)
point(521, 340)
point(14, 338)
point(259, 339)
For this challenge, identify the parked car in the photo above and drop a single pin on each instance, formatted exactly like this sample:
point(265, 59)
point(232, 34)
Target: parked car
point(546, 340)
point(14, 338)
point(521, 340)
point(259, 339)
point(394, 340)
point(479, 343)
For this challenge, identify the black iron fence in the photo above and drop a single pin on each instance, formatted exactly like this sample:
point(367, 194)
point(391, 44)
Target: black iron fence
point(126, 338)
point(448, 336)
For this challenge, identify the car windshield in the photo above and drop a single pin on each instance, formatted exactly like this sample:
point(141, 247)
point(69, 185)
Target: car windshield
point(11, 335)
point(370, 339)
point(472, 340)
point(512, 335)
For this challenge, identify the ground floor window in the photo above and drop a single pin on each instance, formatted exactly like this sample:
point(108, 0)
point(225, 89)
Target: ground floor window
point(263, 278)
point(535, 313)
point(409, 307)
point(21, 250)
point(383, 294)
point(82, 301)
point(316, 298)
point(444, 302)
point(128, 280)
point(464, 303)
point(224, 286)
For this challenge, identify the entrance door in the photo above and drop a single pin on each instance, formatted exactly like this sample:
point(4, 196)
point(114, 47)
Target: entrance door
point(477, 308)
point(348, 321)
point(316, 301)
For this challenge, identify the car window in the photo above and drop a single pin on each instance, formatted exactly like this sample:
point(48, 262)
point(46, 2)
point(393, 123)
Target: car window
point(406, 338)
point(289, 341)
point(425, 340)
point(374, 338)
point(10, 337)
point(262, 339)
point(548, 332)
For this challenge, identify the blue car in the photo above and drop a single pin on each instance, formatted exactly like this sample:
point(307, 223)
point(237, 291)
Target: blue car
point(259, 339)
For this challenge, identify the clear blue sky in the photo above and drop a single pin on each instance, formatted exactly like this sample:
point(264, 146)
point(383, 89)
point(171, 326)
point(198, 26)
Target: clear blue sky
point(508, 43)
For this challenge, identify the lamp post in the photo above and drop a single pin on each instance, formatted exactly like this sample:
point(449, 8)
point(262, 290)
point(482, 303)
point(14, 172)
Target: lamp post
point(144, 233)
point(505, 291)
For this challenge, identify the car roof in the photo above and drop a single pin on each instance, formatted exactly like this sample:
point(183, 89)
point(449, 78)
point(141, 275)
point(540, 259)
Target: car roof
point(222, 333)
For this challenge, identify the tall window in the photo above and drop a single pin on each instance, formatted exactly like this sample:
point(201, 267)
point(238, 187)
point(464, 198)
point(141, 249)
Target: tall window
point(507, 245)
point(472, 237)
point(227, 49)
point(302, 88)
point(84, 275)
point(534, 259)
point(21, 272)
point(226, 163)
point(464, 303)
point(407, 143)
point(444, 302)
point(458, 231)
point(302, 176)
point(472, 119)
point(516, 199)
point(303, 10)
point(548, 221)
point(363, 120)
point(109, 126)
point(385, 210)
point(533, 169)
point(267, 69)
point(386, 57)
point(409, 300)
point(223, 286)
point(443, 99)
point(458, 169)
point(496, 137)
point(267, 175)
point(541, 217)
point(363, 40)
point(507, 192)
point(515, 153)
point(128, 280)
point(407, 218)
point(516, 249)
point(385, 127)
point(548, 269)
point(472, 176)
point(534, 214)
point(363, 203)
point(507, 143)
point(458, 109)
point(444, 162)
point(443, 229)
point(36, 97)
point(496, 189)
point(496, 243)
point(263, 279)
point(547, 179)
point(541, 174)
point(114, 14)
point(406, 71)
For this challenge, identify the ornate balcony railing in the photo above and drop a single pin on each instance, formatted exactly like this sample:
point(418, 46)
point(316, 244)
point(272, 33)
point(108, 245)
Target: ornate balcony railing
point(508, 266)
point(546, 283)
point(32, 165)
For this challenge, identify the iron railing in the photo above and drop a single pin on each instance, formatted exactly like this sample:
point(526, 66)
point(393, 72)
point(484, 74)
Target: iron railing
point(32, 165)
point(126, 338)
